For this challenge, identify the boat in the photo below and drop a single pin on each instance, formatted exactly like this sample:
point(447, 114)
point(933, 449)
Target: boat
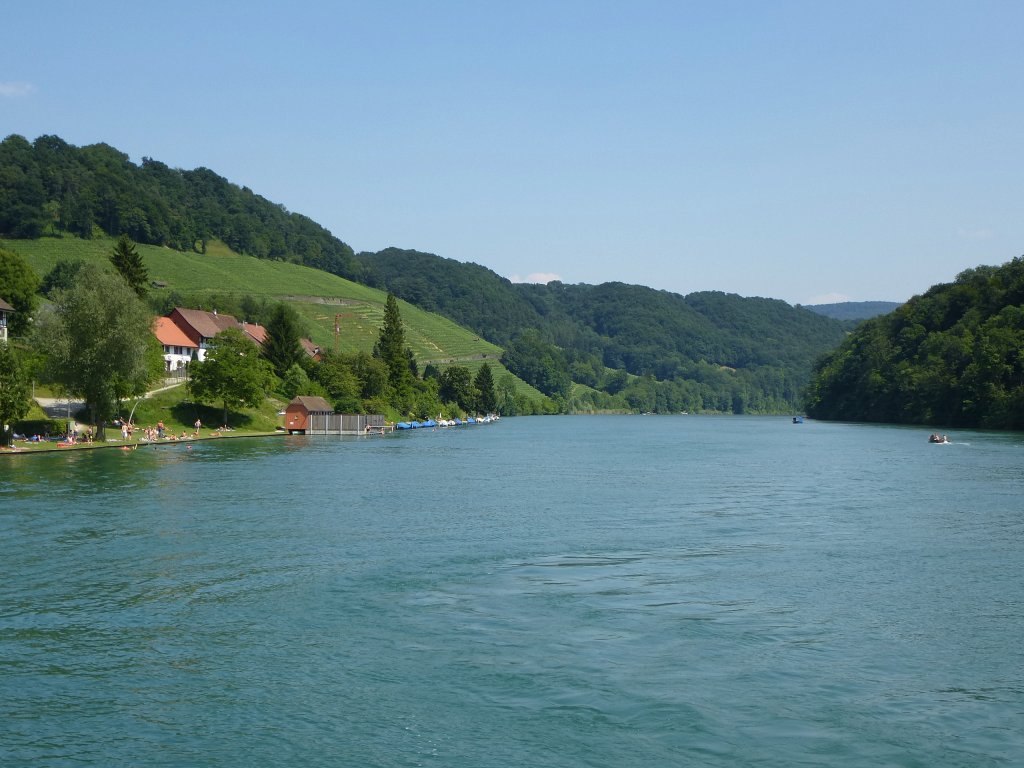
point(798, 419)
point(935, 437)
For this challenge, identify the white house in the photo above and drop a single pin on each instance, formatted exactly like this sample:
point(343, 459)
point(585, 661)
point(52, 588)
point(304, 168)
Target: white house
point(5, 310)
point(178, 347)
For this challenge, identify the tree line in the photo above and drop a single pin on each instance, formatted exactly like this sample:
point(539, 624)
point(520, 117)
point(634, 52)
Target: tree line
point(953, 356)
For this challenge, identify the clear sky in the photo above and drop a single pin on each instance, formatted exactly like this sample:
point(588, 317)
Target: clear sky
point(808, 151)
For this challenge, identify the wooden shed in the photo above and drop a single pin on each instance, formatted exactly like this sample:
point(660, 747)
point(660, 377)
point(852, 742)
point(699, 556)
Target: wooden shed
point(300, 409)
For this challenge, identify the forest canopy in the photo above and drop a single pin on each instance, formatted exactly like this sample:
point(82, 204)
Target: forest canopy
point(50, 187)
point(953, 356)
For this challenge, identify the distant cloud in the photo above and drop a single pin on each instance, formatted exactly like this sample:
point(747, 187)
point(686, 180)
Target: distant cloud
point(828, 298)
point(976, 234)
point(536, 277)
point(15, 89)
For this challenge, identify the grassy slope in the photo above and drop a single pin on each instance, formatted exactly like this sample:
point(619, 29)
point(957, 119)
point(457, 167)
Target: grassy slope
point(319, 297)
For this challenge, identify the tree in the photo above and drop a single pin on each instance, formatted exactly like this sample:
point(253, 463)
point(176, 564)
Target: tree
point(18, 286)
point(487, 400)
point(336, 375)
point(97, 342)
point(539, 364)
point(61, 277)
point(128, 263)
point(232, 373)
point(390, 345)
point(14, 392)
point(509, 401)
point(282, 347)
point(297, 382)
point(390, 348)
point(457, 387)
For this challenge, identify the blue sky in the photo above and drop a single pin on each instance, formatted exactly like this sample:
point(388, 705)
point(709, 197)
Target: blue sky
point(808, 151)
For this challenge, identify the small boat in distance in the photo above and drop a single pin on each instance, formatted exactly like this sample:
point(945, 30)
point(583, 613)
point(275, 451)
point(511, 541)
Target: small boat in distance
point(798, 419)
point(935, 437)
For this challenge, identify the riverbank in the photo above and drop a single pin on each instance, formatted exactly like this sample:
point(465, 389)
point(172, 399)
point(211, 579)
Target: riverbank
point(26, 448)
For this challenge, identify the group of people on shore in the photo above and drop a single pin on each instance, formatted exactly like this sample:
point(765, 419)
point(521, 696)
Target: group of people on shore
point(131, 434)
point(154, 434)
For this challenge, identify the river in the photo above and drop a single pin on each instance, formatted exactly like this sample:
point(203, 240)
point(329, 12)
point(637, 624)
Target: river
point(544, 591)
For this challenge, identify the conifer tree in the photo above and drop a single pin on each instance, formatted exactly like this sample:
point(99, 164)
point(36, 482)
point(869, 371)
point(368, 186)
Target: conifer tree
point(128, 263)
point(282, 347)
point(390, 348)
point(487, 400)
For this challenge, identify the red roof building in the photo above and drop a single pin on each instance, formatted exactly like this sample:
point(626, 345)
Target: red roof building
point(198, 327)
point(178, 347)
point(296, 415)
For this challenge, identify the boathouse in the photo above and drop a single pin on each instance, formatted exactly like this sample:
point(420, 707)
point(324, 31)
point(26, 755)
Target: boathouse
point(299, 411)
point(307, 415)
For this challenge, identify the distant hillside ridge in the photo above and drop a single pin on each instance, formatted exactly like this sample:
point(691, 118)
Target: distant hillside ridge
point(49, 187)
point(853, 310)
point(738, 352)
point(609, 347)
point(953, 356)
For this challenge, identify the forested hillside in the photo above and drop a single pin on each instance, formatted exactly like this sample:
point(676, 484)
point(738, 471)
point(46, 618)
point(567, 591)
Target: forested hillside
point(953, 356)
point(49, 186)
point(606, 347)
point(706, 350)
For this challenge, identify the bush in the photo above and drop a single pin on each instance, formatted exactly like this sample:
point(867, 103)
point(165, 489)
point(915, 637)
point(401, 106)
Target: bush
point(40, 427)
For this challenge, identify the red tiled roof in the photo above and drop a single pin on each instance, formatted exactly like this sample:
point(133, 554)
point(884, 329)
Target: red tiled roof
point(311, 403)
point(311, 349)
point(256, 332)
point(170, 334)
point(206, 324)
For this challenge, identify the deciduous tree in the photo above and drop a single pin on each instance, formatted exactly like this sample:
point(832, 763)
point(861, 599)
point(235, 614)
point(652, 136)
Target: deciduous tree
point(97, 342)
point(62, 276)
point(14, 392)
point(457, 387)
point(18, 286)
point(233, 373)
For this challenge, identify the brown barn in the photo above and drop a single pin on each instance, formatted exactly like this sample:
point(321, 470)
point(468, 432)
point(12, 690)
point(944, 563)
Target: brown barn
point(296, 415)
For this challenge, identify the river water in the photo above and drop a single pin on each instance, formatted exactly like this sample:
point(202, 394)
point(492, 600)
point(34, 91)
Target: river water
point(546, 591)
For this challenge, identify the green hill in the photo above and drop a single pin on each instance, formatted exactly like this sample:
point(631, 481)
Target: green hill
point(704, 351)
point(49, 187)
point(953, 356)
point(212, 242)
point(321, 299)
